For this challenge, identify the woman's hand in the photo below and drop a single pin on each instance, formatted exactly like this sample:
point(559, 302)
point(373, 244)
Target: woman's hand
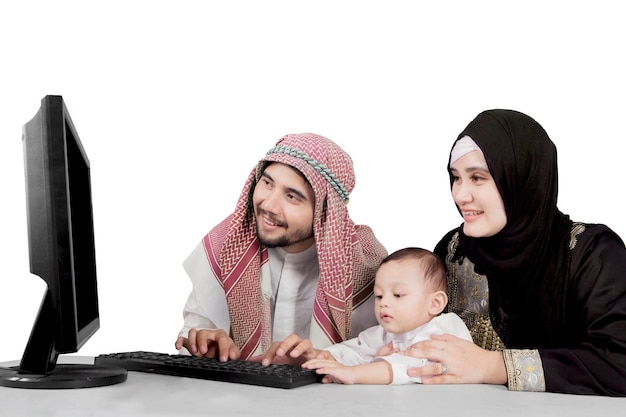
point(457, 361)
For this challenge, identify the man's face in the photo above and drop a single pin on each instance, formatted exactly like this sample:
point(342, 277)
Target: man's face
point(283, 202)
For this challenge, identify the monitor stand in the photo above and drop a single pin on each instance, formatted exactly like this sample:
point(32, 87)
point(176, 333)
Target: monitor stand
point(39, 368)
point(63, 376)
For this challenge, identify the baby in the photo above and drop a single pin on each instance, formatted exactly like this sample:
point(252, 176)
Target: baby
point(410, 294)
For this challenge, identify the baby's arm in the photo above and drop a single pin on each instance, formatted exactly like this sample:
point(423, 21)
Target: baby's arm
point(379, 372)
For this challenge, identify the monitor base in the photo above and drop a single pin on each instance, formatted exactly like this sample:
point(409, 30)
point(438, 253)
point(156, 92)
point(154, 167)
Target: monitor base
point(64, 376)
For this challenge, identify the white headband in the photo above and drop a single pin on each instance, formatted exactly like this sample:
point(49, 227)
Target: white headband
point(462, 147)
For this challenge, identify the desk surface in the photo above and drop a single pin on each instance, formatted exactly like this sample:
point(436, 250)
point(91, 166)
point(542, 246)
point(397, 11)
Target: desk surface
point(159, 395)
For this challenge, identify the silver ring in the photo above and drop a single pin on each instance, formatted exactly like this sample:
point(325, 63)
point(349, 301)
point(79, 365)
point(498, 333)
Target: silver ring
point(444, 369)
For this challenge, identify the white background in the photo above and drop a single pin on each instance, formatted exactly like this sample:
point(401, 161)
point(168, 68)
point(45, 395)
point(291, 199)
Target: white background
point(176, 101)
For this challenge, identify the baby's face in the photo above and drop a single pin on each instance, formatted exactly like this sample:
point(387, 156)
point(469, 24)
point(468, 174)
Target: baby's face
point(402, 297)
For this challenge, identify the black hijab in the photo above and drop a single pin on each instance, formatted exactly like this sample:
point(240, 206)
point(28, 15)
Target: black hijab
point(527, 262)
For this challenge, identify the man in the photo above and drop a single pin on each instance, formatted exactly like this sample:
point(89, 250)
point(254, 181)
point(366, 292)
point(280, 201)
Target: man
point(288, 270)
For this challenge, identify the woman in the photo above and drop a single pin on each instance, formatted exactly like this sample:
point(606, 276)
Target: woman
point(544, 297)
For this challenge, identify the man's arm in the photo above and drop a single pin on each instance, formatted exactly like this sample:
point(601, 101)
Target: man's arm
point(205, 313)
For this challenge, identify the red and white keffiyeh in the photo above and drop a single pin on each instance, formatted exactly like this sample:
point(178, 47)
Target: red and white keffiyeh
point(348, 254)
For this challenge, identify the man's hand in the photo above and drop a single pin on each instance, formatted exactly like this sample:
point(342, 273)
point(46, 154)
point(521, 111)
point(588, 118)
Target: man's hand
point(210, 344)
point(293, 350)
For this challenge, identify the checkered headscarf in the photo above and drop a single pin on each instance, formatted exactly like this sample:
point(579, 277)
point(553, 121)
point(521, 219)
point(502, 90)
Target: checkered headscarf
point(348, 254)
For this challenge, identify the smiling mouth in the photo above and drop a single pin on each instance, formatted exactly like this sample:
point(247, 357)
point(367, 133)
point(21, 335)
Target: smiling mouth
point(268, 219)
point(269, 222)
point(471, 213)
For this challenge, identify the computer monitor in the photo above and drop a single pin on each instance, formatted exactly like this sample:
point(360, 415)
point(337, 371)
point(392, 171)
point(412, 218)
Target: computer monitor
point(62, 253)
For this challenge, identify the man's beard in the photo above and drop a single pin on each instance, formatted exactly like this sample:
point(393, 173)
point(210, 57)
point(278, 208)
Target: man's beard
point(285, 239)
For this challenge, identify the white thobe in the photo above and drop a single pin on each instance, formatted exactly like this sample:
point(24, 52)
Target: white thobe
point(289, 280)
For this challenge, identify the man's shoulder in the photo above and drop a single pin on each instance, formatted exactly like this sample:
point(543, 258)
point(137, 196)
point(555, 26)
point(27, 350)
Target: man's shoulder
point(217, 236)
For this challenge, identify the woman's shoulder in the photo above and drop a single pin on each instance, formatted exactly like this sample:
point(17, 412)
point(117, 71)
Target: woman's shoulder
point(595, 246)
point(443, 246)
point(597, 262)
point(584, 236)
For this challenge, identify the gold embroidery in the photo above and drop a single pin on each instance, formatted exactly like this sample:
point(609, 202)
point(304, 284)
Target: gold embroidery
point(577, 228)
point(524, 370)
point(468, 294)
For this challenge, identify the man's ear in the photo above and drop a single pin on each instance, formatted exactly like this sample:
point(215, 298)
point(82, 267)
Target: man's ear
point(438, 301)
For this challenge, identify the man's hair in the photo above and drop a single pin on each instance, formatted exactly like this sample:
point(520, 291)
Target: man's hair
point(264, 164)
point(432, 267)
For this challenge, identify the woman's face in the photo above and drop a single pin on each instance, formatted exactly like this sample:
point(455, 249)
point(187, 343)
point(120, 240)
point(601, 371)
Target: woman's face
point(475, 193)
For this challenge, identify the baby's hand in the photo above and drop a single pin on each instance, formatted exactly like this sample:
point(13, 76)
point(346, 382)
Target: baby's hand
point(333, 371)
point(388, 349)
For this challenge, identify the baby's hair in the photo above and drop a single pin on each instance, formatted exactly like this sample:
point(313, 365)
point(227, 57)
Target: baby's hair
point(432, 267)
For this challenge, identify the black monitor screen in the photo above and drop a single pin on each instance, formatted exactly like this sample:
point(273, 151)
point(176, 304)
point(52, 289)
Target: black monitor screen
point(82, 268)
point(62, 253)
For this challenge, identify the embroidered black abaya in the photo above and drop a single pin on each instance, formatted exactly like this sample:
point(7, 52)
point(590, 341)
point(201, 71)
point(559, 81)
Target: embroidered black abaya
point(551, 284)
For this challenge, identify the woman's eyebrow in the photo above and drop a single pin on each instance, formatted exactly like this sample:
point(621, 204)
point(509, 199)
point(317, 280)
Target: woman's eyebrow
point(473, 169)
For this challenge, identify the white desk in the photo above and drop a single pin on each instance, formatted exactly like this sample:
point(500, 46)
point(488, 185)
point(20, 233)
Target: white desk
point(159, 395)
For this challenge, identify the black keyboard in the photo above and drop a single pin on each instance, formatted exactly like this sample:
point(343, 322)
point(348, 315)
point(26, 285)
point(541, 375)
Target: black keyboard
point(239, 371)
